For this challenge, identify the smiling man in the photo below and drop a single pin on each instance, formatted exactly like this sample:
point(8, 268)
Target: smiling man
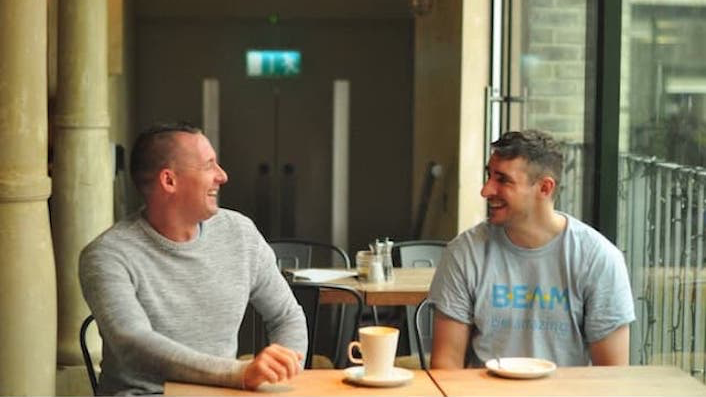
point(530, 281)
point(169, 286)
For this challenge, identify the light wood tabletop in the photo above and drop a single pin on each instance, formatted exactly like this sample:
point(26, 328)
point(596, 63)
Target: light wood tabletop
point(573, 381)
point(409, 287)
point(313, 382)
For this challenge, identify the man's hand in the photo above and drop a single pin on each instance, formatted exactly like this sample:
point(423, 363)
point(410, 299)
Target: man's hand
point(275, 363)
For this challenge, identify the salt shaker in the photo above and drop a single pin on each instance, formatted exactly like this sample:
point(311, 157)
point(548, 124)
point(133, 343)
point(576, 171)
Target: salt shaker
point(375, 271)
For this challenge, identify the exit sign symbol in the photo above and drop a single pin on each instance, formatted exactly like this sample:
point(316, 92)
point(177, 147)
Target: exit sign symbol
point(273, 63)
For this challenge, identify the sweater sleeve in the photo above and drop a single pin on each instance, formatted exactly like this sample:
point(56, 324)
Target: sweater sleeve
point(108, 288)
point(273, 299)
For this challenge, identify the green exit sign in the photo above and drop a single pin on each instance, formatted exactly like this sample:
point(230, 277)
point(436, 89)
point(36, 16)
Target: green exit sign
point(273, 63)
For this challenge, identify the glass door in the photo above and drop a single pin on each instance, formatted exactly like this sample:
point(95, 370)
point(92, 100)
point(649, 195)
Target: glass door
point(546, 75)
point(539, 81)
point(662, 179)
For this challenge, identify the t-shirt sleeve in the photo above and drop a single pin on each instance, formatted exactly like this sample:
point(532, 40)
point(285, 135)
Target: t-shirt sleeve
point(608, 301)
point(449, 290)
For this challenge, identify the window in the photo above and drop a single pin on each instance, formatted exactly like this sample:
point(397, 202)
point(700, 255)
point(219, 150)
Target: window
point(662, 182)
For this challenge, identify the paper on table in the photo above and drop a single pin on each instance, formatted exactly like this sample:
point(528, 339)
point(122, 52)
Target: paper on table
point(321, 275)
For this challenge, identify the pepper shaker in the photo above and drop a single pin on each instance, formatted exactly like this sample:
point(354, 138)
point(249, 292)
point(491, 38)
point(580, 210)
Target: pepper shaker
point(387, 260)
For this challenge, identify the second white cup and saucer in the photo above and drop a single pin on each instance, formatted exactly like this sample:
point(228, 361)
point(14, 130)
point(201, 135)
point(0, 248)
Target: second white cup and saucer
point(377, 346)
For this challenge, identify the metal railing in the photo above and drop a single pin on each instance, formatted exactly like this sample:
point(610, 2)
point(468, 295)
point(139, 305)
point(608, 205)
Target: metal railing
point(661, 222)
point(662, 212)
point(570, 198)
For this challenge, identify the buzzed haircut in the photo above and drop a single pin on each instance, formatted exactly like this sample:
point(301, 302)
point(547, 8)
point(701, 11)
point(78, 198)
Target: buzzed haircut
point(541, 151)
point(154, 150)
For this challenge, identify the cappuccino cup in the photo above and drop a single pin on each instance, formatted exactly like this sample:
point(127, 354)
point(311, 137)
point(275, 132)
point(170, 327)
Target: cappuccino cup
point(378, 346)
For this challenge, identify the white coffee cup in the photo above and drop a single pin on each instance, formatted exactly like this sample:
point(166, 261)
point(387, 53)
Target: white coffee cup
point(378, 346)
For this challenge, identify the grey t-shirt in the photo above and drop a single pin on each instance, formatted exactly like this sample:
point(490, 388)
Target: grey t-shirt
point(550, 302)
point(171, 311)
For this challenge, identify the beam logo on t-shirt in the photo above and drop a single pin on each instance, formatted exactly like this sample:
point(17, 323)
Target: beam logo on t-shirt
point(523, 296)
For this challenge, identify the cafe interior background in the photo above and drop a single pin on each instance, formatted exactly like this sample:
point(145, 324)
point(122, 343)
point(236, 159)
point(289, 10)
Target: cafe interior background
point(380, 128)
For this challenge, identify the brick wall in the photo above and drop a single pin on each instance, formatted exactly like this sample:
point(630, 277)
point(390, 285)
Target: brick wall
point(553, 65)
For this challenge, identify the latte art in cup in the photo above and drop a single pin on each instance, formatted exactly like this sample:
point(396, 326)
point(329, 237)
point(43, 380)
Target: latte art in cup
point(378, 346)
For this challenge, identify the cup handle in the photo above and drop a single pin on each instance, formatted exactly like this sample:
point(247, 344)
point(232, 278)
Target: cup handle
point(352, 345)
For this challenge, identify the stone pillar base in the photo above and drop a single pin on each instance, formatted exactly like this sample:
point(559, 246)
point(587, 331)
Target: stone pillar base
point(72, 380)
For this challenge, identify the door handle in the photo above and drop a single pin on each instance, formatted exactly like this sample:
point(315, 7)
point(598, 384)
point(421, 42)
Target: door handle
point(493, 96)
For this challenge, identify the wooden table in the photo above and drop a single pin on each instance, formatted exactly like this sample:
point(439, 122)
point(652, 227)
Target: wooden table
point(573, 381)
point(409, 287)
point(313, 382)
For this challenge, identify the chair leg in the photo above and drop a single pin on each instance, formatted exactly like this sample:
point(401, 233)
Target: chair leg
point(339, 335)
point(375, 315)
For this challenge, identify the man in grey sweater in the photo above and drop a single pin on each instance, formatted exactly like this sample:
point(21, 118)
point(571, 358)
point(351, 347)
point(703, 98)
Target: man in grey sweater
point(169, 285)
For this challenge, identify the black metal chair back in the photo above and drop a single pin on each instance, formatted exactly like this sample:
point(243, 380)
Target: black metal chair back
point(302, 254)
point(417, 254)
point(308, 294)
point(86, 354)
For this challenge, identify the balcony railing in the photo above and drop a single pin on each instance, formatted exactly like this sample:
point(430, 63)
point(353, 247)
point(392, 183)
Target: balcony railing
point(571, 193)
point(661, 231)
point(662, 217)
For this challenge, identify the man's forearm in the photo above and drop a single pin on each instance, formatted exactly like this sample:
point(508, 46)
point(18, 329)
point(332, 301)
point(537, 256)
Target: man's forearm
point(153, 353)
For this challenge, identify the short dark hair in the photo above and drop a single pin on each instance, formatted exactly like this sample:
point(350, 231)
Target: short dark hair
point(154, 150)
point(542, 152)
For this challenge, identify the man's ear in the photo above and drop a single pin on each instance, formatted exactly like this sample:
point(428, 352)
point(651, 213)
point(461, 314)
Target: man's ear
point(167, 180)
point(547, 184)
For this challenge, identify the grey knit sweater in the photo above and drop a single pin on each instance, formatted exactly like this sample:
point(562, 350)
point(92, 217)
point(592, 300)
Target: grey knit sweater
point(171, 311)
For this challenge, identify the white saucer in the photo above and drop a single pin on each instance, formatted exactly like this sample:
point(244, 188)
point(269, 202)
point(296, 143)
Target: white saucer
point(521, 367)
point(398, 377)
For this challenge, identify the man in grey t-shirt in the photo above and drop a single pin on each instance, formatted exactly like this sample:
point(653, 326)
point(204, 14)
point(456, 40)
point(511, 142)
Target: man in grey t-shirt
point(530, 281)
point(169, 286)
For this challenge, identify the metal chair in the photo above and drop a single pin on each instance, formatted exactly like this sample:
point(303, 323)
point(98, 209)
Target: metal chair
point(417, 254)
point(293, 253)
point(302, 254)
point(86, 354)
point(424, 330)
point(308, 295)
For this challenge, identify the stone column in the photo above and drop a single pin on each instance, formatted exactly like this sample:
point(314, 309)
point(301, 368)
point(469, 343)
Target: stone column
point(82, 202)
point(27, 276)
